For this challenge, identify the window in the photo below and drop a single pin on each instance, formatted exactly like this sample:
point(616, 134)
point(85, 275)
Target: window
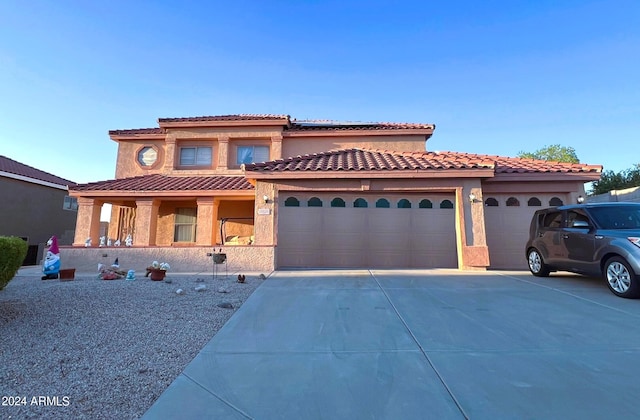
point(70, 203)
point(314, 202)
point(513, 202)
point(534, 202)
point(491, 202)
point(383, 203)
point(446, 204)
point(195, 156)
point(555, 201)
point(404, 204)
point(425, 204)
point(292, 202)
point(360, 202)
point(147, 156)
point(577, 219)
point(552, 219)
point(338, 202)
point(251, 154)
point(185, 225)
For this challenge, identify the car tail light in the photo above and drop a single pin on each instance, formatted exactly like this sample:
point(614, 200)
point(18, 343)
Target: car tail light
point(634, 240)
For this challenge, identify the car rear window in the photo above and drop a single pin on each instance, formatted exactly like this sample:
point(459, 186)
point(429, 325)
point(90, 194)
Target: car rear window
point(618, 217)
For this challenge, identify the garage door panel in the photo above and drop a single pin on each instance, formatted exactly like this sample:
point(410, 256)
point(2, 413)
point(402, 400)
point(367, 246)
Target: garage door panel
point(507, 227)
point(367, 237)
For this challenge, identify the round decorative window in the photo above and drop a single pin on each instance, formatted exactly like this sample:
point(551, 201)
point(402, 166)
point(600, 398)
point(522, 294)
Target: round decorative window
point(147, 156)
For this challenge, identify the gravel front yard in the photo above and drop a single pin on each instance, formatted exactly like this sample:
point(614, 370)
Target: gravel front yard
point(102, 349)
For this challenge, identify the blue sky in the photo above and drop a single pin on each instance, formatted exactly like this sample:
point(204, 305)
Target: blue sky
point(496, 77)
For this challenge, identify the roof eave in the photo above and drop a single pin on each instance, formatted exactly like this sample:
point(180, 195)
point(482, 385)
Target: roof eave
point(401, 173)
point(129, 194)
point(222, 123)
point(349, 133)
point(546, 176)
point(125, 137)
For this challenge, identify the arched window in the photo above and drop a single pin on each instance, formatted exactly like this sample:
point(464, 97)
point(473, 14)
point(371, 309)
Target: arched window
point(314, 202)
point(404, 204)
point(491, 202)
point(555, 201)
point(360, 202)
point(292, 202)
point(382, 203)
point(425, 204)
point(446, 204)
point(338, 202)
point(513, 202)
point(534, 202)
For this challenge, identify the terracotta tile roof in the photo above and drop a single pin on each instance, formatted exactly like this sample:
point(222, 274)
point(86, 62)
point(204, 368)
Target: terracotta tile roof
point(383, 160)
point(20, 169)
point(371, 160)
point(137, 131)
point(518, 165)
point(161, 183)
point(234, 117)
point(325, 125)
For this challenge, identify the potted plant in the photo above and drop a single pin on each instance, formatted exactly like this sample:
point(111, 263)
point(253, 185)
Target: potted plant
point(157, 270)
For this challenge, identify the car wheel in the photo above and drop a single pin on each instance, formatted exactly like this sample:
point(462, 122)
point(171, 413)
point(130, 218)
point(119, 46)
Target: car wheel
point(620, 278)
point(536, 264)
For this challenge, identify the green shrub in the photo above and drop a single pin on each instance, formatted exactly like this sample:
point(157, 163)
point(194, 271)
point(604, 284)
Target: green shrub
point(12, 253)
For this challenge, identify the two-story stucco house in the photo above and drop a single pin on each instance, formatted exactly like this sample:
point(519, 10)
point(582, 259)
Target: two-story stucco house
point(274, 192)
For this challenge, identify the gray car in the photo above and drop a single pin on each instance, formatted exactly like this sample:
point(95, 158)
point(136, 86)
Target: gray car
point(599, 239)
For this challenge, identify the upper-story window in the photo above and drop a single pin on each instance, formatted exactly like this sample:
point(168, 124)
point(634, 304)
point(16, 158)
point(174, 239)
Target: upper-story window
point(195, 156)
point(251, 154)
point(147, 156)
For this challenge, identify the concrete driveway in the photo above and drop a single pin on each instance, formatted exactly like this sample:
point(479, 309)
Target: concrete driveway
point(416, 344)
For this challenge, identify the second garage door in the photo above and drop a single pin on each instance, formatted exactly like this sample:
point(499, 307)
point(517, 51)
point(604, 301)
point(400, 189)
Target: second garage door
point(343, 230)
point(507, 220)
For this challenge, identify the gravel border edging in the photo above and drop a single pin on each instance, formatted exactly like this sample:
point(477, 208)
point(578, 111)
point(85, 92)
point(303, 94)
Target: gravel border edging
point(104, 348)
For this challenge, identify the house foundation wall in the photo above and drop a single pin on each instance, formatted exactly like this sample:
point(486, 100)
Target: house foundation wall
point(191, 259)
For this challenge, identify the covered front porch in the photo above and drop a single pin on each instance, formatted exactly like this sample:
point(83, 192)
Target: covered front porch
point(177, 219)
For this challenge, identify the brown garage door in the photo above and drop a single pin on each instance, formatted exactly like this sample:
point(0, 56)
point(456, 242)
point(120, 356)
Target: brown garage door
point(345, 230)
point(507, 220)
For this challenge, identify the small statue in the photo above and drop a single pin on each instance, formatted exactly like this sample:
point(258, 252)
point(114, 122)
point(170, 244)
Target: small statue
point(131, 275)
point(102, 241)
point(87, 243)
point(117, 243)
point(109, 242)
point(51, 266)
point(128, 240)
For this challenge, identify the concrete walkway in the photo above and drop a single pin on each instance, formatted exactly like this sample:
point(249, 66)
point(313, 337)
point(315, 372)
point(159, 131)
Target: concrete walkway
point(417, 344)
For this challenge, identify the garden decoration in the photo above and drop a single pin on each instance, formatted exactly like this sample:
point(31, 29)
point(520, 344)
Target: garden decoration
point(51, 266)
point(157, 270)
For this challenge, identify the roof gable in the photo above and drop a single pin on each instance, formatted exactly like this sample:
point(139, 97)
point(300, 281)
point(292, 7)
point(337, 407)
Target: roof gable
point(14, 169)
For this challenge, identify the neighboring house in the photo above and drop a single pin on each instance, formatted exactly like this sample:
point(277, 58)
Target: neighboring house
point(277, 192)
point(35, 205)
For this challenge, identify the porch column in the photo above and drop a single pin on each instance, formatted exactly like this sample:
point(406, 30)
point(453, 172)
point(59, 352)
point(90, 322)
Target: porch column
point(473, 253)
point(146, 222)
point(276, 147)
point(87, 221)
point(223, 152)
point(264, 225)
point(207, 218)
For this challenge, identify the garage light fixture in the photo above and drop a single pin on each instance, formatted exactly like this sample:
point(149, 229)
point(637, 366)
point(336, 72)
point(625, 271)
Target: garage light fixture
point(580, 199)
point(472, 198)
point(265, 198)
